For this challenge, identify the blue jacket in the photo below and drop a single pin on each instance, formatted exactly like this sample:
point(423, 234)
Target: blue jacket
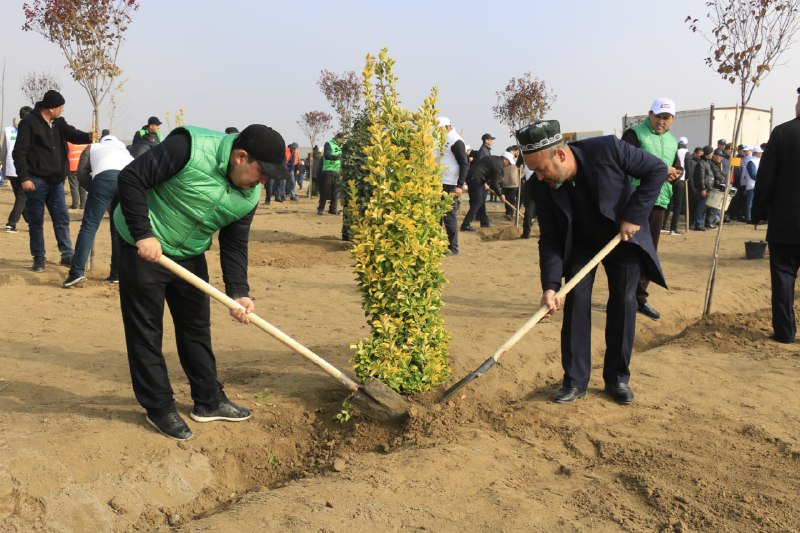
point(606, 162)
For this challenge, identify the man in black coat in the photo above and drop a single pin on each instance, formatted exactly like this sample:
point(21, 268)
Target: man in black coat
point(583, 199)
point(777, 201)
point(40, 157)
point(485, 175)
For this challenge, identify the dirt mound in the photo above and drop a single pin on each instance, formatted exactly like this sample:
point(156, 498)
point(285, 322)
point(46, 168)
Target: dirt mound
point(505, 233)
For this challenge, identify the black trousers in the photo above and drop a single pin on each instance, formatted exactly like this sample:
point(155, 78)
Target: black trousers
point(143, 289)
point(511, 197)
point(327, 190)
point(784, 260)
point(477, 205)
point(530, 209)
point(622, 266)
point(678, 195)
point(450, 220)
point(20, 198)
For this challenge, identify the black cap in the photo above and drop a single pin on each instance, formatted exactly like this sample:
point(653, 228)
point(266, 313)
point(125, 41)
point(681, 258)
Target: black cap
point(231, 129)
point(153, 120)
point(722, 141)
point(539, 135)
point(487, 136)
point(51, 100)
point(719, 152)
point(267, 146)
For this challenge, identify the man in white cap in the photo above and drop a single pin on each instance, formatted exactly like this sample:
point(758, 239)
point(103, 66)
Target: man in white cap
point(455, 163)
point(653, 136)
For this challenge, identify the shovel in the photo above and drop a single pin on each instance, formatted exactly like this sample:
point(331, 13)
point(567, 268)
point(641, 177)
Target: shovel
point(374, 399)
point(532, 321)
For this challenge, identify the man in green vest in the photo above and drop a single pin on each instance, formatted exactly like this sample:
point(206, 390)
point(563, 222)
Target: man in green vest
point(329, 176)
point(653, 136)
point(190, 186)
point(153, 125)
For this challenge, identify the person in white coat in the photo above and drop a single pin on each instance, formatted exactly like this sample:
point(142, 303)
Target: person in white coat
point(98, 169)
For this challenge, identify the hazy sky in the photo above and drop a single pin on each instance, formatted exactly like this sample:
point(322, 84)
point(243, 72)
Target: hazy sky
point(239, 62)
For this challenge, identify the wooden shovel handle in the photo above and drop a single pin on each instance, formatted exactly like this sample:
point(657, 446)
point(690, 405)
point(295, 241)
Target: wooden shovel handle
point(532, 321)
point(221, 297)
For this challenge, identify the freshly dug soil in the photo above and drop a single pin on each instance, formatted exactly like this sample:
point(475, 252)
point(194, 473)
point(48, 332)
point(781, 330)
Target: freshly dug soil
point(712, 441)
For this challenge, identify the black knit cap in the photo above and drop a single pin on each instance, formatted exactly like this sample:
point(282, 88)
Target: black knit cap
point(539, 135)
point(267, 146)
point(51, 100)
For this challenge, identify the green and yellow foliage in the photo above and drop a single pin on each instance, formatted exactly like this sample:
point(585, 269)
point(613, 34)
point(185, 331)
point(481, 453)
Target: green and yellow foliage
point(398, 240)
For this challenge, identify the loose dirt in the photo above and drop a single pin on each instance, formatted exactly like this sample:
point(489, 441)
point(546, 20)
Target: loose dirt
point(712, 441)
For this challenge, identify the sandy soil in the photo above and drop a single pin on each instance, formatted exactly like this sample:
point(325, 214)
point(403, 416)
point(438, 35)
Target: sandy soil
point(712, 441)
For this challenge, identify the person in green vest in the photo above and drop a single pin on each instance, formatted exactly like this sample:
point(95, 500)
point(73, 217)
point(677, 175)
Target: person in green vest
point(329, 175)
point(153, 125)
point(194, 184)
point(653, 136)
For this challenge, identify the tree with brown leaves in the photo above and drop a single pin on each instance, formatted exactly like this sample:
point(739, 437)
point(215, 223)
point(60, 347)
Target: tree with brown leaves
point(89, 33)
point(747, 38)
point(522, 101)
point(343, 92)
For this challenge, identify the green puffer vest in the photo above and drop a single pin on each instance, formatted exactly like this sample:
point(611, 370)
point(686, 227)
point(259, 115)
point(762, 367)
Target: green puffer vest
point(143, 132)
point(664, 147)
point(187, 209)
point(333, 165)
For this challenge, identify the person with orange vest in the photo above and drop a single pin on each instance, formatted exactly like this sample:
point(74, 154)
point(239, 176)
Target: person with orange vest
point(76, 192)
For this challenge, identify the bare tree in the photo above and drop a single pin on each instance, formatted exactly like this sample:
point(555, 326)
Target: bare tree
point(747, 38)
point(35, 84)
point(89, 33)
point(314, 124)
point(114, 102)
point(522, 101)
point(343, 92)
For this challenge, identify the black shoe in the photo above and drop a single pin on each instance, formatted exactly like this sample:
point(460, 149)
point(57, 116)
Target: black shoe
point(525, 236)
point(293, 199)
point(266, 202)
point(38, 263)
point(568, 394)
point(698, 228)
point(279, 200)
point(320, 212)
point(335, 212)
point(451, 252)
point(11, 228)
point(73, 207)
point(647, 310)
point(467, 228)
point(774, 338)
point(66, 260)
point(227, 410)
point(73, 279)
point(111, 279)
point(486, 225)
point(621, 393)
point(170, 425)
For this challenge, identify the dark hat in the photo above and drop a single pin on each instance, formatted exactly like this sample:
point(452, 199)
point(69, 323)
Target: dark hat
point(798, 90)
point(722, 141)
point(487, 136)
point(267, 146)
point(339, 135)
point(719, 152)
point(539, 135)
point(51, 100)
point(153, 120)
point(293, 145)
point(707, 150)
point(231, 129)
point(512, 148)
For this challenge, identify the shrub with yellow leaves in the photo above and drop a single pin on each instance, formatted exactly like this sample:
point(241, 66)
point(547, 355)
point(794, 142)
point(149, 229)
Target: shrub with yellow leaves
point(398, 240)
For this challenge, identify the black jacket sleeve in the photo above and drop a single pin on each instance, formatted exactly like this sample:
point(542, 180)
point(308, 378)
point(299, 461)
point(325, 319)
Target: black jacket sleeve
point(21, 149)
point(460, 152)
point(233, 240)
